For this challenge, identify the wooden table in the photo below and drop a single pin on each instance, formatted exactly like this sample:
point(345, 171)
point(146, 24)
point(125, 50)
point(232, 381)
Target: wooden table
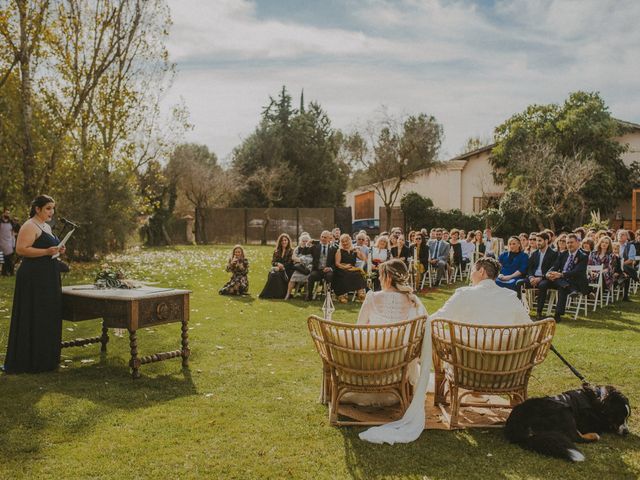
point(131, 310)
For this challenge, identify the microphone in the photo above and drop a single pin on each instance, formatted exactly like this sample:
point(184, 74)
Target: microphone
point(68, 222)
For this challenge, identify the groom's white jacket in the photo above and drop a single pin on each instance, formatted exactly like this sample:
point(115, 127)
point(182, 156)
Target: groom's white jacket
point(485, 304)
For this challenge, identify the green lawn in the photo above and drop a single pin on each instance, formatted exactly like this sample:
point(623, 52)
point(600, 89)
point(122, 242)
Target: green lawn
point(247, 407)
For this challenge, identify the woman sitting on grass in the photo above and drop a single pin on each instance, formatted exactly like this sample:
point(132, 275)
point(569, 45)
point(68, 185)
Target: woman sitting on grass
point(239, 267)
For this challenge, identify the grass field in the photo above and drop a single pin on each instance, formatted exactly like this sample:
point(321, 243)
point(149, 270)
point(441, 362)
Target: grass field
point(247, 407)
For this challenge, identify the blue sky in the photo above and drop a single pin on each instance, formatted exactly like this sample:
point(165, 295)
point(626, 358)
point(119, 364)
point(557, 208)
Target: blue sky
point(470, 64)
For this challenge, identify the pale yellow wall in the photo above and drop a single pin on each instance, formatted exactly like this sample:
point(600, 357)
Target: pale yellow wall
point(633, 140)
point(477, 179)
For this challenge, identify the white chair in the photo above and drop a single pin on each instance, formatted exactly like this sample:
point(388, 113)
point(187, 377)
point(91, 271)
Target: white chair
point(596, 284)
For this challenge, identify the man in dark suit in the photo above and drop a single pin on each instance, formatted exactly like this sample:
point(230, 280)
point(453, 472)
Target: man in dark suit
point(323, 263)
point(568, 275)
point(540, 261)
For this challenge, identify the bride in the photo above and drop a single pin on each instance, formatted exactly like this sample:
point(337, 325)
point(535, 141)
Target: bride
point(396, 302)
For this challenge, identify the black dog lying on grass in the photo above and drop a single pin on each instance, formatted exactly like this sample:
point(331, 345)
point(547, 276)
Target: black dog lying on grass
point(551, 425)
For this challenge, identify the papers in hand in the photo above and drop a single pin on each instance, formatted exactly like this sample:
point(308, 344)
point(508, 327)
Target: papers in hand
point(63, 242)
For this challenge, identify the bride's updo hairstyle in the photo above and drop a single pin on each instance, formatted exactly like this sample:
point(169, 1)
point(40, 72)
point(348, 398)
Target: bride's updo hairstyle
point(396, 270)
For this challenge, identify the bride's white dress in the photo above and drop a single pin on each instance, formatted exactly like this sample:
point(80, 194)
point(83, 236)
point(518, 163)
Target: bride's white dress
point(389, 307)
point(380, 308)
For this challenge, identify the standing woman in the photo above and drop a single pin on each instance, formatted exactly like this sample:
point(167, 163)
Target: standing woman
point(36, 320)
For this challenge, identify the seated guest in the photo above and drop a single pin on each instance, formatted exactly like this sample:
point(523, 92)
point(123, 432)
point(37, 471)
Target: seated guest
point(524, 243)
point(347, 277)
point(468, 247)
point(533, 243)
point(580, 233)
point(540, 261)
point(561, 243)
point(238, 266)
point(419, 254)
point(323, 263)
point(400, 249)
point(302, 262)
point(587, 246)
point(514, 265)
point(627, 257)
point(603, 255)
point(636, 242)
point(379, 254)
point(336, 232)
point(568, 275)
point(361, 239)
point(445, 235)
point(395, 303)
point(479, 245)
point(439, 258)
point(490, 244)
point(411, 238)
point(458, 259)
point(281, 269)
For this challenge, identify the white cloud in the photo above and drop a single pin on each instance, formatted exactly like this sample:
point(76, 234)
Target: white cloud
point(470, 66)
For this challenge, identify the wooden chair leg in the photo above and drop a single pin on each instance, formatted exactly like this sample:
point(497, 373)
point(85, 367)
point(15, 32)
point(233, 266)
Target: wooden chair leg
point(455, 405)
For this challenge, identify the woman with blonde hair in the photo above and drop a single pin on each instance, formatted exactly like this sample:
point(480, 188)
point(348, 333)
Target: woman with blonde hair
point(238, 266)
point(347, 277)
point(302, 263)
point(396, 302)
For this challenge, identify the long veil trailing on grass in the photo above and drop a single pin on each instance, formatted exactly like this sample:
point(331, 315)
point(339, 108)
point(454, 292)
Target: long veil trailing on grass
point(410, 426)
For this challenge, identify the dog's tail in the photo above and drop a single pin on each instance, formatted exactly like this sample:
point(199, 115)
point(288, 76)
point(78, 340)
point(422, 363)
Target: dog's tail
point(551, 443)
point(554, 444)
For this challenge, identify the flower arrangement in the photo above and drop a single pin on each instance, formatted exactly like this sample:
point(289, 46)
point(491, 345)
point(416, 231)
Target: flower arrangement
point(112, 277)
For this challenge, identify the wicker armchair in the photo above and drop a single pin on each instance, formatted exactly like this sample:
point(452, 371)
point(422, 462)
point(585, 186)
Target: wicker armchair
point(487, 359)
point(366, 359)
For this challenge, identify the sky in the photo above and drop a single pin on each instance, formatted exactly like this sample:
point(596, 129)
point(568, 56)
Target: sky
point(471, 64)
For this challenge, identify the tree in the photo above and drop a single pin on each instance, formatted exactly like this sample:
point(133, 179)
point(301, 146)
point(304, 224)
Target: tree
point(200, 181)
point(474, 143)
point(414, 206)
point(270, 182)
point(550, 185)
point(581, 127)
point(301, 142)
point(395, 150)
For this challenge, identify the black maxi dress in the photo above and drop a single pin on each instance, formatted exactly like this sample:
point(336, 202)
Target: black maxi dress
point(36, 319)
point(345, 281)
point(277, 280)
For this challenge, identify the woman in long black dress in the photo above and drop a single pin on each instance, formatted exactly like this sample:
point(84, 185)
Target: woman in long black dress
point(36, 320)
point(281, 269)
point(348, 278)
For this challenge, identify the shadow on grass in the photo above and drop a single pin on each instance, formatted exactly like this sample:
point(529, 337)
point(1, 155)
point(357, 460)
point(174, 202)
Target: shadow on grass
point(478, 453)
point(33, 402)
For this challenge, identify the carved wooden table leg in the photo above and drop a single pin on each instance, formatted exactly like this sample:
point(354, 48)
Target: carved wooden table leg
point(134, 363)
point(104, 339)
point(185, 343)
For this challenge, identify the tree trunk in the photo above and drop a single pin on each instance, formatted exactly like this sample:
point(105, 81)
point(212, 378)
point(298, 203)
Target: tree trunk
point(267, 219)
point(26, 108)
point(387, 211)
